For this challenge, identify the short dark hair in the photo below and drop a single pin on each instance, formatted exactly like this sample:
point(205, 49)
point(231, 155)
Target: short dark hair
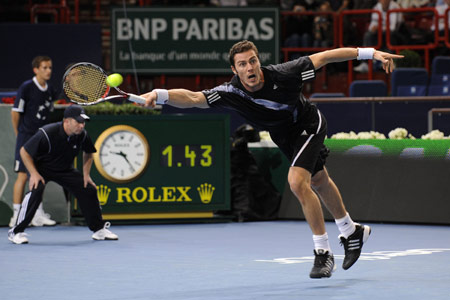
point(240, 47)
point(36, 62)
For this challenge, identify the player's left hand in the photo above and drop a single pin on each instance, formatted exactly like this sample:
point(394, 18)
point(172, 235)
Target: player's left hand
point(387, 59)
point(88, 180)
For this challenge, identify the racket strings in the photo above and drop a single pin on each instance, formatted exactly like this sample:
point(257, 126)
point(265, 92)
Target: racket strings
point(85, 84)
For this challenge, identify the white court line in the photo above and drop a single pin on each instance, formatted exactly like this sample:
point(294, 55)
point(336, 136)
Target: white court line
point(377, 255)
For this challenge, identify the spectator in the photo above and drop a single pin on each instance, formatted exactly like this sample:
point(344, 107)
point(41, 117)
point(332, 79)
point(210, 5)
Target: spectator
point(371, 36)
point(340, 5)
point(323, 27)
point(441, 8)
point(412, 3)
point(298, 28)
point(415, 27)
point(364, 4)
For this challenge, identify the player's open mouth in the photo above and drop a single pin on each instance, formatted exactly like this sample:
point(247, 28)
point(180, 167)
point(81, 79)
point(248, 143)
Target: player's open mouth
point(251, 76)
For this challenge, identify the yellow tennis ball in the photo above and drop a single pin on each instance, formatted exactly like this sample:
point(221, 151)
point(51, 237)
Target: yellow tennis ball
point(114, 80)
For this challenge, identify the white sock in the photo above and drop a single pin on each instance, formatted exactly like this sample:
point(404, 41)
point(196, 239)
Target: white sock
point(41, 208)
point(346, 225)
point(16, 207)
point(321, 242)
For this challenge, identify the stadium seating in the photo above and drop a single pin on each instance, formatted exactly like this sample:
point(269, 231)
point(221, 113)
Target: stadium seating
point(409, 82)
point(440, 69)
point(439, 90)
point(440, 77)
point(368, 88)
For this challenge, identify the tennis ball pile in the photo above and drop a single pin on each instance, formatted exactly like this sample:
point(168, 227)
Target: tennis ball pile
point(114, 80)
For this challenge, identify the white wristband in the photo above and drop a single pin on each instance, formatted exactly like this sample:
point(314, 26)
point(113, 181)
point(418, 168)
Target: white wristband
point(365, 53)
point(162, 96)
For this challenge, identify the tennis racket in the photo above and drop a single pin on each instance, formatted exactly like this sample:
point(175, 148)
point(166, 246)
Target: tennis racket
point(85, 84)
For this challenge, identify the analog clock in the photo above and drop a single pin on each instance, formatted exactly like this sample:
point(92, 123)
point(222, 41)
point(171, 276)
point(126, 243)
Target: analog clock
point(122, 153)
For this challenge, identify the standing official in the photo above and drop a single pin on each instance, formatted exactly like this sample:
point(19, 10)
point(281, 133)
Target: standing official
point(48, 155)
point(31, 110)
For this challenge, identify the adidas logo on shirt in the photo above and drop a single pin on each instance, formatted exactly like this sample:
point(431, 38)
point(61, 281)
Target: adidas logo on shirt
point(307, 75)
point(213, 97)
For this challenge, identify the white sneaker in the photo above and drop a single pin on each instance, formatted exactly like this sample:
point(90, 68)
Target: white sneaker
point(42, 219)
point(362, 68)
point(17, 238)
point(104, 234)
point(13, 220)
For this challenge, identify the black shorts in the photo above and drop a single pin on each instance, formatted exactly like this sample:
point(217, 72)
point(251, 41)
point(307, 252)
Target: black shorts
point(22, 138)
point(304, 146)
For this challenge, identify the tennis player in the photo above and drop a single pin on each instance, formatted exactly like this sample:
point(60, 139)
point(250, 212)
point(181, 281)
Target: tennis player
point(271, 99)
point(48, 156)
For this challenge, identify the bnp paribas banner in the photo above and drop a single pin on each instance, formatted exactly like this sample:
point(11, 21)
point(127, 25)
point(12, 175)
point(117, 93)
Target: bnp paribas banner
point(189, 40)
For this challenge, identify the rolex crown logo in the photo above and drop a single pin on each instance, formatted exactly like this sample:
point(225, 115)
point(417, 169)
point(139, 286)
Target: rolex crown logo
point(103, 194)
point(206, 191)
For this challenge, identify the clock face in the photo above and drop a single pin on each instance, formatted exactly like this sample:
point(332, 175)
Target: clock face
point(123, 153)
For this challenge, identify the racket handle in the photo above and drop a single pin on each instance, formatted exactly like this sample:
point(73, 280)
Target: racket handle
point(136, 98)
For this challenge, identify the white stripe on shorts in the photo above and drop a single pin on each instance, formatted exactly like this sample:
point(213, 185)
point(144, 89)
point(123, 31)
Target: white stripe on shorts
point(301, 150)
point(308, 140)
point(320, 122)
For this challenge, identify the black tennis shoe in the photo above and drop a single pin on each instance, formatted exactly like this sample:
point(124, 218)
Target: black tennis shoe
point(353, 244)
point(323, 264)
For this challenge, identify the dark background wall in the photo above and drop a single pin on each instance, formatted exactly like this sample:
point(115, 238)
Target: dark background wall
point(386, 189)
point(64, 43)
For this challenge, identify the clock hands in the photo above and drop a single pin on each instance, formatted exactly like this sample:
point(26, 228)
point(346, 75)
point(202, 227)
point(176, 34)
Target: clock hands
point(119, 153)
point(124, 156)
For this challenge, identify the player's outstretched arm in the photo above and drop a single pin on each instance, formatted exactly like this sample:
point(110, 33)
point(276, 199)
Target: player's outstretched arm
point(320, 59)
point(180, 98)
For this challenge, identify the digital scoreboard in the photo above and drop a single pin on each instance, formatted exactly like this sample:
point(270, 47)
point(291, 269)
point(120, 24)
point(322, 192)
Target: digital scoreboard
point(159, 167)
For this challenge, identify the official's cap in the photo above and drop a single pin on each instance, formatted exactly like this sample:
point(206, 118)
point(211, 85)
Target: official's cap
point(76, 112)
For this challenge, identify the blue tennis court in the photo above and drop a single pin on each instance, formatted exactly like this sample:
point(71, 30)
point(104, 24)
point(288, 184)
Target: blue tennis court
point(255, 260)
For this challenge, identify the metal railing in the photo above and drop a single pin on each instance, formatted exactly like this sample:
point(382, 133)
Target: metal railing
point(438, 111)
point(60, 11)
point(415, 15)
point(359, 13)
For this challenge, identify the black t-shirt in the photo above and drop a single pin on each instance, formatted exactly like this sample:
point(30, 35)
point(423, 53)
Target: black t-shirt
point(34, 103)
point(52, 149)
point(279, 105)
